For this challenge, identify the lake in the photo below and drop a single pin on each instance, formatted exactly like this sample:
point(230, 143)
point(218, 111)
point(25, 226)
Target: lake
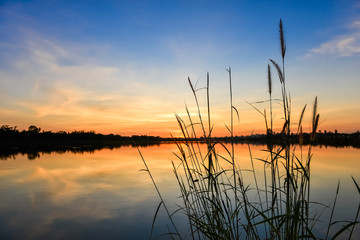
point(104, 195)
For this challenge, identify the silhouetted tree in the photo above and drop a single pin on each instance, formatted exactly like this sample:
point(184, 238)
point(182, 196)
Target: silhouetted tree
point(34, 129)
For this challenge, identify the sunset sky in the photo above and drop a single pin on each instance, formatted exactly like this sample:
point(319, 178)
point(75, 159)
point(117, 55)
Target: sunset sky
point(122, 66)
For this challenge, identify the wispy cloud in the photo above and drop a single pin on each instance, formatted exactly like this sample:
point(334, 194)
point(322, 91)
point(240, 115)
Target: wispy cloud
point(342, 46)
point(61, 83)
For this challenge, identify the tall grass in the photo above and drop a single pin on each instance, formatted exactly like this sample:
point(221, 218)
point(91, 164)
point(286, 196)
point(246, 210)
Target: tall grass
point(217, 200)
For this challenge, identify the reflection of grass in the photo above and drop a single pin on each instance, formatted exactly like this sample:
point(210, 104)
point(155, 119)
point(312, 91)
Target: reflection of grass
point(220, 203)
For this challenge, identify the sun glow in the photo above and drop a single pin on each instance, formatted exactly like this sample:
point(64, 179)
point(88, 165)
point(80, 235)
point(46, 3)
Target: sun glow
point(129, 76)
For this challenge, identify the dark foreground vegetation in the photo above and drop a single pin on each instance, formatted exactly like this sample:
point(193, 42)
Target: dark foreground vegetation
point(221, 201)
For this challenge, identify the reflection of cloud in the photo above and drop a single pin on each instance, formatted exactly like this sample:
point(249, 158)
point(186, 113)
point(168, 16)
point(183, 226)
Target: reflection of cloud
point(81, 190)
point(343, 46)
point(63, 184)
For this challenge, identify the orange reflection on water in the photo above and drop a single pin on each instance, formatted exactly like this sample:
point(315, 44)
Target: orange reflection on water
point(106, 189)
point(85, 188)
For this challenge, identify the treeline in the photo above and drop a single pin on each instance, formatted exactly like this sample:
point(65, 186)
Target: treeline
point(34, 141)
point(325, 139)
point(12, 137)
point(34, 137)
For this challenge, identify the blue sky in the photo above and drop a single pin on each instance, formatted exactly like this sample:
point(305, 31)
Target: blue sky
point(122, 66)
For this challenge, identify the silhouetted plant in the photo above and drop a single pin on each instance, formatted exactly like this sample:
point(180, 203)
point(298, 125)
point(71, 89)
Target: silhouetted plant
point(216, 199)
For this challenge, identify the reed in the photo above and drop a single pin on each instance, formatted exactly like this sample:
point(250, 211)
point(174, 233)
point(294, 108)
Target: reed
point(219, 203)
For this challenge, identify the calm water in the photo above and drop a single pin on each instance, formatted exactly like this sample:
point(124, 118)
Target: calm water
point(103, 195)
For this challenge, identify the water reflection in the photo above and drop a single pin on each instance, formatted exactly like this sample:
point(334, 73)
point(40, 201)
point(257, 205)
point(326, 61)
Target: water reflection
point(35, 152)
point(102, 193)
point(72, 195)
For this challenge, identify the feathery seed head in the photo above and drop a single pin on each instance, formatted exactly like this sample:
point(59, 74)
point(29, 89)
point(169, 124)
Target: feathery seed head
point(282, 40)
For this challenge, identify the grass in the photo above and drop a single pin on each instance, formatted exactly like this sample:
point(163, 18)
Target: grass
point(220, 203)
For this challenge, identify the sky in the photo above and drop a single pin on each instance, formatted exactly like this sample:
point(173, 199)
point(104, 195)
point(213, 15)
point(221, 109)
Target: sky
point(122, 66)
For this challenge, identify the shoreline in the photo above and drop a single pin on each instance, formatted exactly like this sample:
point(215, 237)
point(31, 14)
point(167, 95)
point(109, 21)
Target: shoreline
point(40, 143)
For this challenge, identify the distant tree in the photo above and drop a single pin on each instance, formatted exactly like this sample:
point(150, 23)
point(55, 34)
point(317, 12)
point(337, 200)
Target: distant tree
point(336, 131)
point(34, 129)
point(8, 130)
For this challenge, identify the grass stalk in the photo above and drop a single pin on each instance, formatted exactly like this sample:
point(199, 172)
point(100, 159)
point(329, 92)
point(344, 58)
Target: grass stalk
point(219, 203)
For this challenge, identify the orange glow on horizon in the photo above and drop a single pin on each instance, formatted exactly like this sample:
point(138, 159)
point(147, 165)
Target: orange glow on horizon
point(171, 128)
point(148, 116)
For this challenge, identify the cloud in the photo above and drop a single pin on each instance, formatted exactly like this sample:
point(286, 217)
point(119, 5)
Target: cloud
point(64, 85)
point(342, 46)
point(48, 79)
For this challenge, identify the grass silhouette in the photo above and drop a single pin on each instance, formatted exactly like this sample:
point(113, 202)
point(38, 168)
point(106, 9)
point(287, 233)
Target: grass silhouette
point(217, 200)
